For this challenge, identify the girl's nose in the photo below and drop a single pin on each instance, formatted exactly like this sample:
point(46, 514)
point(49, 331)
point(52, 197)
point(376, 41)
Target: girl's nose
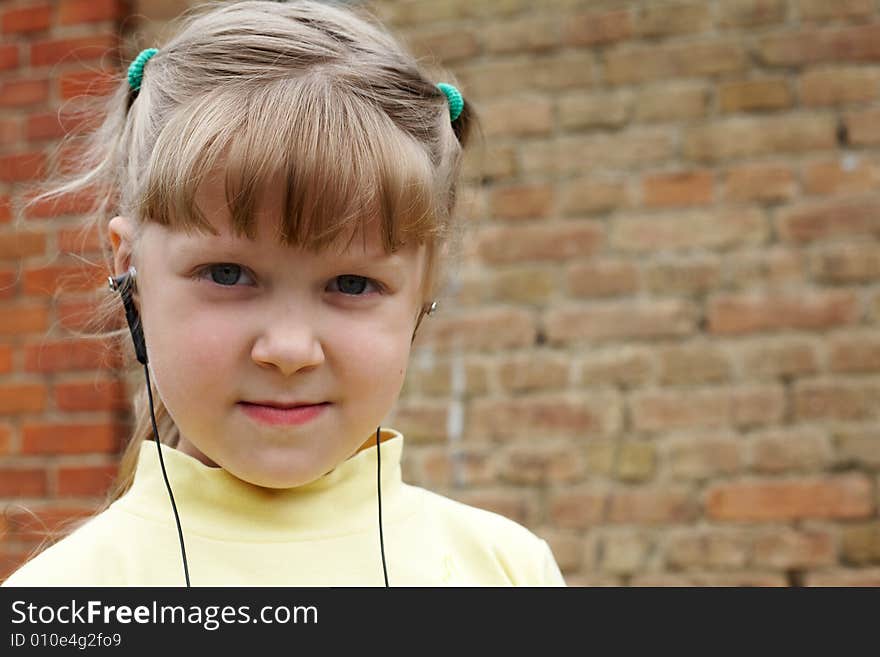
point(288, 346)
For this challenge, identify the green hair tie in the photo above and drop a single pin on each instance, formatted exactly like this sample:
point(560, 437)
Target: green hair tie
point(136, 69)
point(453, 97)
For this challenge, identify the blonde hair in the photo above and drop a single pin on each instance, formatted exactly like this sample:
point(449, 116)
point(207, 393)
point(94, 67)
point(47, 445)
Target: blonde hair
point(315, 97)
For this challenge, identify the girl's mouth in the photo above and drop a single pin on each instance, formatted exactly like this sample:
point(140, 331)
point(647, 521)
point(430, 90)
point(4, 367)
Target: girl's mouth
point(271, 415)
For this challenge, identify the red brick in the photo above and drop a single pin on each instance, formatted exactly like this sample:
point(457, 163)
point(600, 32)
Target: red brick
point(787, 549)
point(91, 395)
point(8, 57)
point(809, 310)
point(5, 442)
point(707, 548)
point(812, 221)
point(521, 202)
point(839, 85)
point(602, 110)
point(5, 209)
point(715, 407)
point(10, 131)
point(88, 83)
point(858, 352)
point(596, 28)
point(546, 415)
point(678, 189)
point(5, 359)
point(616, 320)
point(49, 356)
point(71, 438)
point(529, 34)
point(54, 51)
point(90, 316)
point(652, 505)
point(669, 19)
point(22, 244)
point(537, 371)
point(20, 93)
point(20, 482)
point(486, 328)
point(541, 464)
point(747, 13)
point(739, 137)
point(453, 44)
point(847, 263)
point(838, 496)
point(576, 507)
point(692, 363)
point(23, 319)
point(818, 10)
point(760, 182)
point(789, 450)
point(863, 128)
point(850, 175)
point(684, 275)
point(507, 117)
point(21, 167)
point(751, 95)
point(620, 151)
point(693, 59)
point(89, 11)
point(79, 241)
point(702, 458)
point(90, 480)
point(626, 366)
point(44, 126)
point(73, 203)
point(672, 101)
point(775, 358)
point(695, 229)
point(593, 196)
point(27, 19)
point(602, 278)
point(536, 243)
point(47, 281)
point(9, 284)
point(835, 400)
point(858, 44)
point(22, 398)
point(772, 268)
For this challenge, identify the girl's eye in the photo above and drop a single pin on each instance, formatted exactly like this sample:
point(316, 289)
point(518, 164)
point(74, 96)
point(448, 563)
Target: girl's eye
point(353, 285)
point(226, 274)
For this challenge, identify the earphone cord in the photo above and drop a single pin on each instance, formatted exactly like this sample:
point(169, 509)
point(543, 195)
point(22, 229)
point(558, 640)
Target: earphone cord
point(165, 474)
point(174, 506)
point(379, 493)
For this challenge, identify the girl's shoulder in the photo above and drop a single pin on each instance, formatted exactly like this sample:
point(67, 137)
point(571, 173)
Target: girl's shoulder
point(87, 556)
point(524, 556)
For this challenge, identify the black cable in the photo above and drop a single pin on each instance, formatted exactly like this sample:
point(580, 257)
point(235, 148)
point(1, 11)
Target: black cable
point(165, 474)
point(379, 492)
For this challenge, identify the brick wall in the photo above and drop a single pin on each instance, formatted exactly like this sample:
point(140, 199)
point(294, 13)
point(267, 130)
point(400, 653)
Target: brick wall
point(662, 353)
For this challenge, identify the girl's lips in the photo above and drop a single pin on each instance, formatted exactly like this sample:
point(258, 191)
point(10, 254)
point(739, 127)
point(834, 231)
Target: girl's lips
point(270, 415)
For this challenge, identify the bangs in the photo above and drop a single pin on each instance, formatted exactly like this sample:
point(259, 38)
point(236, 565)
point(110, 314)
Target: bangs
point(337, 161)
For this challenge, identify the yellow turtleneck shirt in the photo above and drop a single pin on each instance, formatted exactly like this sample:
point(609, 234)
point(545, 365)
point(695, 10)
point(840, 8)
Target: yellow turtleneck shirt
point(324, 533)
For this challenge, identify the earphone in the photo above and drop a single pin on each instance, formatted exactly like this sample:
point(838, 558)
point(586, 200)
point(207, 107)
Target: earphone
point(125, 285)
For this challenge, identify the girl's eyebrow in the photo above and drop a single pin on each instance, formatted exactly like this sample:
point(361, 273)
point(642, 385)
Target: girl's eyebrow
point(190, 248)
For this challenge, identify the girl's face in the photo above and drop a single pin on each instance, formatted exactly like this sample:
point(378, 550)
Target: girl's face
point(227, 320)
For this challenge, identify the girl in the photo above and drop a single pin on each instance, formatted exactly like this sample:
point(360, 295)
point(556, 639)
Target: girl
point(284, 178)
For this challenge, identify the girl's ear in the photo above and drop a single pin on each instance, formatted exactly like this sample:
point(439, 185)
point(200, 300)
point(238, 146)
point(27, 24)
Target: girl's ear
point(121, 231)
